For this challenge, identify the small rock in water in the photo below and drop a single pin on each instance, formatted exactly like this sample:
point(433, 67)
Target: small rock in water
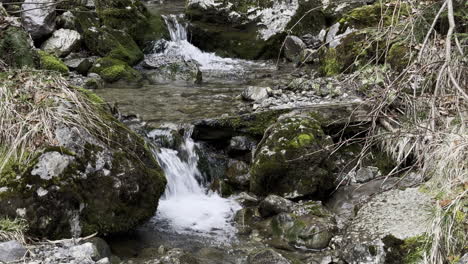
point(11, 251)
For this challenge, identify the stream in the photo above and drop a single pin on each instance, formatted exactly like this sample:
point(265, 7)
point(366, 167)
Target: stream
point(189, 216)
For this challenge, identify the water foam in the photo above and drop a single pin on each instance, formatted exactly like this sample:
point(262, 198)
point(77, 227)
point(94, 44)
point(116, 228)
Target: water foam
point(187, 205)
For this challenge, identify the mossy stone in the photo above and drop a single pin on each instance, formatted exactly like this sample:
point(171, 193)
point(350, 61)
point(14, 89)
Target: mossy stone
point(292, 160)
point(15, 48)
point(112, 70)
point(372, 15)
point(52, 63)
point(399, 56)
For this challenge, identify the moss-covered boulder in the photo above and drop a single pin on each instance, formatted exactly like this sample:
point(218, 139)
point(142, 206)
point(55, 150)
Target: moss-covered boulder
point(16, 48)
point(309, 226)
point(292, 160)
point(133, 18)
point(112, 70)
point(372, 15)
point(51, 63)
point(75, 169)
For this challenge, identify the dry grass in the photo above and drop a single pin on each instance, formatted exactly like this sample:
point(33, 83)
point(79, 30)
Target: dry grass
point(32, 105)
point(12, 230)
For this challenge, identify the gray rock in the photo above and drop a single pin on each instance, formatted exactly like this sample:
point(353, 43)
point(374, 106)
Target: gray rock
point(394, 214)
point(90, 4)
point(51, 164)
point(163, 68)
point(254, 93)
point(102, 248)
point(11, 251)
point(247, 199)
point(293, 47)
point(237, 173)
point(80, 65)
point(62, 42)
point(241, 144)
point(66, 20)
point(464, 259)
point(86, 251)
point(332, 31)
point(274, 204)
point(366, 174)
point(38, 17)
point(94, 82)
point(267, 256)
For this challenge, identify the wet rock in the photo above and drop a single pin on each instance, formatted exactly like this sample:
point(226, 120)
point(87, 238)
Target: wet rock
point(16, 48)
point(62, 42)
point(163, 68)
point(38, 18)
point(254, 93)
point(11, 251)
point(237, 174)
point(292, 159)
point(247, 199)
point(274, 204)
point(267, 256)
point(102, 248)
point(175, 256)
point(386, 222)
point(293, 46)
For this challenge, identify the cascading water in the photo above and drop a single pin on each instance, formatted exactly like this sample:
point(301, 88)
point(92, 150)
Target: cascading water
point(180, 46)
point(187, 206)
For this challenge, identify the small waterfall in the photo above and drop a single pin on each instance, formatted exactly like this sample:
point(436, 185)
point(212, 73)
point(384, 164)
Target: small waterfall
point(187, 206)
point(180, 46)
point(177, 30)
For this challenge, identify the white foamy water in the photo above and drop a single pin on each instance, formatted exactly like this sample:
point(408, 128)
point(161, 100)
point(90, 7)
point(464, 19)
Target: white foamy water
point(187, 206)
point(179, 46)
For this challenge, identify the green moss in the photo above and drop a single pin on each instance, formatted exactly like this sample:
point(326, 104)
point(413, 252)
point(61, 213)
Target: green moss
point(112, 70)
point(93, 97)
point(51, 63)
point(15, 48)
point(13, 225)
point(372, 15)
point(408, 251)
point(331, 64)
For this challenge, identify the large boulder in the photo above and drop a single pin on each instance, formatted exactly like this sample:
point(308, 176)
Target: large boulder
point(38, 18)
point(77, 170)
point(256, 29)
point(62, 42)
point(16, 48)
point(292, 160)
point(133, 18)
point(390, 228)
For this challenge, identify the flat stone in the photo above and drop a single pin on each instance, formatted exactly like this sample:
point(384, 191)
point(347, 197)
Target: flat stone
point(11, 251)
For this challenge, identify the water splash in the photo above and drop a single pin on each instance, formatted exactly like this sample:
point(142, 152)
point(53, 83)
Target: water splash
point(187, 206)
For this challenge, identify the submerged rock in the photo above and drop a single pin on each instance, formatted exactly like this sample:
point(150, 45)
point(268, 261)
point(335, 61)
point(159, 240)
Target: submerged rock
point(89, 173)
point(38, 18)
point(62, 42)
point(292, 159)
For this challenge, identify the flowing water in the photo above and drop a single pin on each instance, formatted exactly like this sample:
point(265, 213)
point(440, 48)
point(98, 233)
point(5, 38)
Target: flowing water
point(189, 215)
point(181, 102)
